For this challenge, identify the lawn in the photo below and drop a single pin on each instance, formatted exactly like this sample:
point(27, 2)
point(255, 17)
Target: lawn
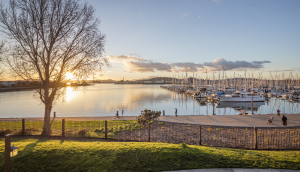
point(56, 155)
point(94, 128)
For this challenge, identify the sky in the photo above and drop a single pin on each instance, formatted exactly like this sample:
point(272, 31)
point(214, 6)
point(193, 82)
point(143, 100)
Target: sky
point(147, 38)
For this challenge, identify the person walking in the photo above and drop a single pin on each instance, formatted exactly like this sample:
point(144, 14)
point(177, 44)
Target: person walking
point(117, 114)
point(278, 112)
point(176, 112)
point(284, 120)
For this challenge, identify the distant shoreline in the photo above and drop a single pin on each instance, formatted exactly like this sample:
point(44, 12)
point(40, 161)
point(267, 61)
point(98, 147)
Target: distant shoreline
point(11, 89)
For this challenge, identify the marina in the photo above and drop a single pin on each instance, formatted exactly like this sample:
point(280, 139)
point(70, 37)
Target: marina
point(101, 100)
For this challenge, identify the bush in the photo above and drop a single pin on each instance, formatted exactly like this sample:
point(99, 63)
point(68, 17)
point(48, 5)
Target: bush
point(148, 116)
point(6, 131)
point(82, 132)
point(99, 130)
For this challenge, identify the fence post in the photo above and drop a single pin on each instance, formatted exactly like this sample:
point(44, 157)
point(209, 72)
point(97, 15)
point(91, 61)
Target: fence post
point(200, 136)
point(105, 129)
point(23, 127)
point(163, 112)
point(7, 153)
point(149, 131)
point(63, 128)
point(255, 138)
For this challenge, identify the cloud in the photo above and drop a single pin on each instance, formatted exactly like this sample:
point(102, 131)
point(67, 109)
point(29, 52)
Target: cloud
point(135, 63)
point(183, 15)
point(187, 67)
point(186, 14)
point(218, 64)
point(142, 67)
point(218, 1)
point(125, 58)
point(286, 70)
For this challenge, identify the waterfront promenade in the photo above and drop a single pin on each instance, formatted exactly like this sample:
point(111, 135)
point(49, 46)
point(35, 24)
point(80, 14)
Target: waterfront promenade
point(225, 120)
point(234, 120)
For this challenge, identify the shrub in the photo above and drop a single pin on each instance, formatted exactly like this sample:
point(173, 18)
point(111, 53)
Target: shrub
point(148, 116)
point(82, 132)
point(184, 145)
point(99, 130)
point(6, 131)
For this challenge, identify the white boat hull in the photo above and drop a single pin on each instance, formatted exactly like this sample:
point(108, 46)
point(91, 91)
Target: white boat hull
point(241, 99)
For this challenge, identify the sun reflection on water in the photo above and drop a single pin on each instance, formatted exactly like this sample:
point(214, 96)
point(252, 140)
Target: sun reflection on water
point(69, 94)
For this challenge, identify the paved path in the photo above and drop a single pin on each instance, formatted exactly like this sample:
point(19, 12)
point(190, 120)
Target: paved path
point(226, 120)
point(233, 120)
point(236, 170)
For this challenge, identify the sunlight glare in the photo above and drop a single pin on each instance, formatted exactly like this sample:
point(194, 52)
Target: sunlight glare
point(69, 94)
point(69, 75)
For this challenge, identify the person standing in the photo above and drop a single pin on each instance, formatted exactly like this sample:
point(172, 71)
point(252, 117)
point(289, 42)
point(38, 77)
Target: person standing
point(284, 120)
point(278, 112)
point(176, 112)
point(117, 114)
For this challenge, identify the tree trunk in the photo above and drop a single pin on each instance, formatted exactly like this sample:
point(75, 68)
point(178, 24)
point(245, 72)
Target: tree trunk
point(47, 126)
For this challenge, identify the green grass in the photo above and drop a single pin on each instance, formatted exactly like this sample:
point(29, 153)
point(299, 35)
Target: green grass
point(56, 155)
point(72, 128)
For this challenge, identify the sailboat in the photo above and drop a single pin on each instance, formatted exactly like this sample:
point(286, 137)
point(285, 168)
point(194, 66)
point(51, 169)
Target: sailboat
point(242, 97)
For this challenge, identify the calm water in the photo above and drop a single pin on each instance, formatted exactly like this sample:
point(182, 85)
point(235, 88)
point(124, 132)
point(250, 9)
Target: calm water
point(106, 99)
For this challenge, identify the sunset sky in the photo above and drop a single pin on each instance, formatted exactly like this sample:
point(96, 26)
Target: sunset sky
point(170, 37)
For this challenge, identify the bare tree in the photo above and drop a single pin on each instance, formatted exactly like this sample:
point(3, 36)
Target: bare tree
point(1, 61)
point(47, 39)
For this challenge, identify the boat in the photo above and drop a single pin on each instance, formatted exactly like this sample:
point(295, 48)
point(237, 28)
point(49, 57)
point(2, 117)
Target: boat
point(242, 97)
point(239, 106)
point(201, 93)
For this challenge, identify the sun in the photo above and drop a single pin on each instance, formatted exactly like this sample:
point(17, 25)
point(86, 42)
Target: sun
point(69, 75)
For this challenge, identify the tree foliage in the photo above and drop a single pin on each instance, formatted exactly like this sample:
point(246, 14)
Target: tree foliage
point(48, 39)
point(147, 116)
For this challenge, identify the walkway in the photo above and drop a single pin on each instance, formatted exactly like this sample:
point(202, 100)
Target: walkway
point(236, 170)
point(233, 120)
point(226, 120)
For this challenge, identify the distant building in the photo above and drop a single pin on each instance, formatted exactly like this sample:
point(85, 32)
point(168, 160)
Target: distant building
point(159, 82)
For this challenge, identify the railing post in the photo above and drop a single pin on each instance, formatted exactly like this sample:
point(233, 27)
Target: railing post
point(7, 153)
point(255, 138)
point(149, 131)
point(63, 128)
point(105, 129)
point(200, 136)
point(23, 127)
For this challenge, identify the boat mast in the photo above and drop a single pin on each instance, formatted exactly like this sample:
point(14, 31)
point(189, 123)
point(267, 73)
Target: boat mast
point(245, 81)
point(252, 82)
point(223, 78)
point(219, 82)
point(206, 79)
point(193, 82)
point(234, 81)
point(214, 81)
